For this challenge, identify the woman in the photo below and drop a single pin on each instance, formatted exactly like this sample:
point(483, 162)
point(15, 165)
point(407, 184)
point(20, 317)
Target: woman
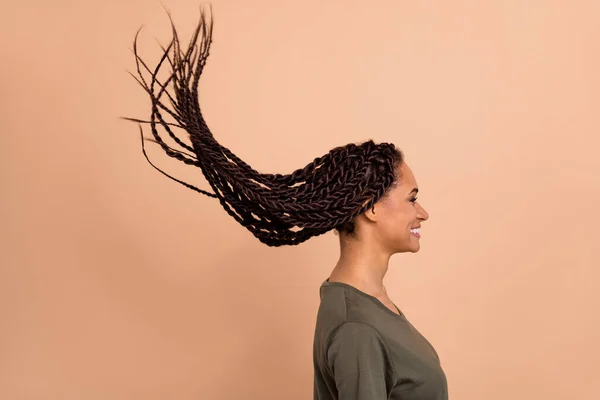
point(364, 347)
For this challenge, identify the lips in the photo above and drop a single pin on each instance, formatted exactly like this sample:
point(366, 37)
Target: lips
point(416, 231)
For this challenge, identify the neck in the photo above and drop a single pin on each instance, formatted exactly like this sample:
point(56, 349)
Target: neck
point(362, 265)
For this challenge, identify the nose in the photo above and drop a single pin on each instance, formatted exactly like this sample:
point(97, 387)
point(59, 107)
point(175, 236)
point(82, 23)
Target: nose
point(422, 213)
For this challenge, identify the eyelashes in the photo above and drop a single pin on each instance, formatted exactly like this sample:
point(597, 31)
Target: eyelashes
point(413, 200)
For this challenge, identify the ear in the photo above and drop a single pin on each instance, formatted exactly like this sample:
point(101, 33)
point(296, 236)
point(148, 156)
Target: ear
point(371, 214)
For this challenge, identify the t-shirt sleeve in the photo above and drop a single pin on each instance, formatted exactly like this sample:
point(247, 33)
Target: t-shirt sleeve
point(360, 363)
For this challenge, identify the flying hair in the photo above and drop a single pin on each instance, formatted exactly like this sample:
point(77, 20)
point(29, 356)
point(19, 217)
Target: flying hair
point(278, 209)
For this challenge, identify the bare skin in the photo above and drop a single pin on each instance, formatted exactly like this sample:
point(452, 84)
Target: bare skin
point(380, 233)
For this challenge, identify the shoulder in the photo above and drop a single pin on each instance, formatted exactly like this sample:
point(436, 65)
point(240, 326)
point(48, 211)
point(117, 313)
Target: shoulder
point(356, 332)
point(358, 340)
point(357, 344)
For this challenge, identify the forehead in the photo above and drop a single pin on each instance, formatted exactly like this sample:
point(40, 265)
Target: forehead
point(407, 178)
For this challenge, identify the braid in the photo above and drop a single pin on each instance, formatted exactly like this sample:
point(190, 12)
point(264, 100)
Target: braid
point(279, 209)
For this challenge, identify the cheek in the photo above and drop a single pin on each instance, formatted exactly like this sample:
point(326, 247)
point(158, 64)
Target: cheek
point(399, 220)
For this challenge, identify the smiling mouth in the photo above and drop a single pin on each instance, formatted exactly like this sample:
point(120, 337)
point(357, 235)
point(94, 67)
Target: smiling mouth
point(416, 232)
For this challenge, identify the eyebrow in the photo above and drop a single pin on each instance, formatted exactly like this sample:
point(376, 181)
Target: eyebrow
point(415, 191)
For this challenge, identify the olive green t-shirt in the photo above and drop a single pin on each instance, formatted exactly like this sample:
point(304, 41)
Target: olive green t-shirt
point(364, 351)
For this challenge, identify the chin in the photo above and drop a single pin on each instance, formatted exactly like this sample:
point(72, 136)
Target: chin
point(415, 244)
point(414, 247)
point(411, 248)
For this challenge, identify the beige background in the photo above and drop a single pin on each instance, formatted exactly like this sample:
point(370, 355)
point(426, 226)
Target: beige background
point(117, 283)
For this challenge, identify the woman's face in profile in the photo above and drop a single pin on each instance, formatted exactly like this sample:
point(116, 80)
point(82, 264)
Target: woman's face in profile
point(399, 215)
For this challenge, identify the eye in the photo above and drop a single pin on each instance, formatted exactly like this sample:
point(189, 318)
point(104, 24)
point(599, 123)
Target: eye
point(413, 200)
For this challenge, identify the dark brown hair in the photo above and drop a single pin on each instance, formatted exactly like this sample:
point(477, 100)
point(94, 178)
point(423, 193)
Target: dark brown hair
point(289, 209)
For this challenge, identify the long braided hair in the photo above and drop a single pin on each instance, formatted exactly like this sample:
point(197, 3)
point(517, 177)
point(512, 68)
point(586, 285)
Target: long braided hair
point(278, 209)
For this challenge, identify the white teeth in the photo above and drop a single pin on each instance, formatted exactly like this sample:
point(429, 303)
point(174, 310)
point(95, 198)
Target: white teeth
point(417, 230)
